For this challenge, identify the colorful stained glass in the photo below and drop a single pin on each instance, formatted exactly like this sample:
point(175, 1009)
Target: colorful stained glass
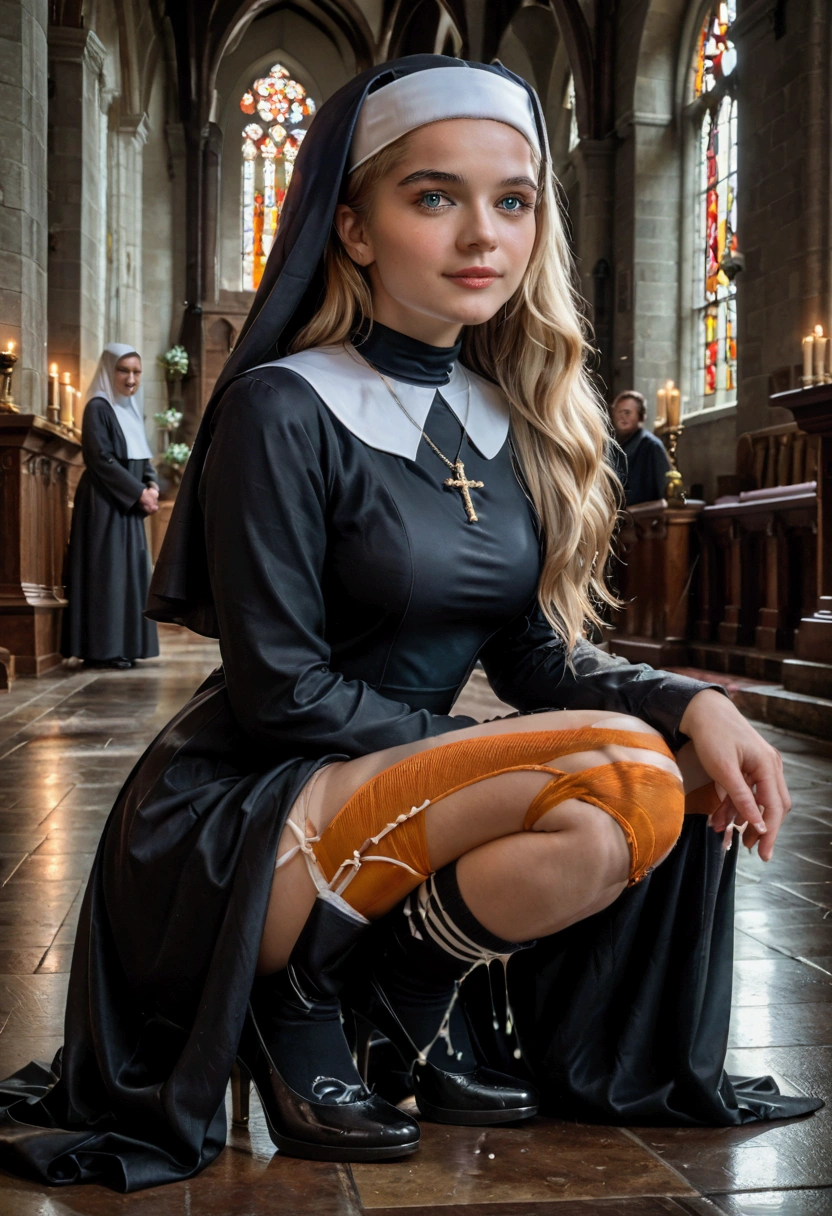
point(268, 161)
point(716, 56)
point(715, 303)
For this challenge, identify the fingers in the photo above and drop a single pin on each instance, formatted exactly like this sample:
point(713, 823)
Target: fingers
point(744, 802)
point(769, 796)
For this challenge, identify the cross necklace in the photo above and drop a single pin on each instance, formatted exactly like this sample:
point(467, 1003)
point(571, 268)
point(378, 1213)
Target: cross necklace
point(459, 481)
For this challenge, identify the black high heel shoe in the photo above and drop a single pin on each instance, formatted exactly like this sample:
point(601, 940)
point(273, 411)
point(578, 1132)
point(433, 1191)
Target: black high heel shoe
point(478, 1097)
point(293, 1023)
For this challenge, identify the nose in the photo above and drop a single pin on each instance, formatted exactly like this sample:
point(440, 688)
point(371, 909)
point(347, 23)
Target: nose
point(479, 231)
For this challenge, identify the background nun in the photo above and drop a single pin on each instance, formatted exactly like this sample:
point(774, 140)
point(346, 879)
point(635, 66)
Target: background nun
point(108, 566)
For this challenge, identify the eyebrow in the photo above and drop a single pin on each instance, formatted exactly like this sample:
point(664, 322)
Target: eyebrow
point(439, 175)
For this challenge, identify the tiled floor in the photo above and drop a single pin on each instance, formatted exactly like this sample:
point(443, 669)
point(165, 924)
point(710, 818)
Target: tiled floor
point(66, 743)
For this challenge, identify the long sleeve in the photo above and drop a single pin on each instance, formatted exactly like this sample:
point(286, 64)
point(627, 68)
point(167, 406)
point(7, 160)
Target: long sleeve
point(264, 493)
point(101, 460)
point(526, 666)
point(150, 477)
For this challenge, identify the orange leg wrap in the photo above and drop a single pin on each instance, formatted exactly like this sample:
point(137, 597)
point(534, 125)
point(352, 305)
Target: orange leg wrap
point(647, 803)
point(374, 852)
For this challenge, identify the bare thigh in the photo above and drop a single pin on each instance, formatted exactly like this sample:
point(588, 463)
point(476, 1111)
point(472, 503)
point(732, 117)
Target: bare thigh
point(483, 812)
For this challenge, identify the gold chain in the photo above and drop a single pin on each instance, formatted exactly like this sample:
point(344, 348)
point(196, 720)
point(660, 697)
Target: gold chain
point(452, 464)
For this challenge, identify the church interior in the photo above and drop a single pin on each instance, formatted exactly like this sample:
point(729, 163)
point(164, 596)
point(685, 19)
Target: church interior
point(147, 147)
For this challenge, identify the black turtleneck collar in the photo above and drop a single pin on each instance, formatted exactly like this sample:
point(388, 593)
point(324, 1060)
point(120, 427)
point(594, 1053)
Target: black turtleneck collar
point(405, 358)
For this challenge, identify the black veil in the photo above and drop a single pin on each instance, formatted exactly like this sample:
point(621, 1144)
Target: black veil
point(287, 298)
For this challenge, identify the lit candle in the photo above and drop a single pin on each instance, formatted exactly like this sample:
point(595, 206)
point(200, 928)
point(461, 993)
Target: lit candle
point(10, 348)
point(66, 400)
point(808, 345)
point(54, 402)
point(819, 353)
point(661, 407)
point(674, 404)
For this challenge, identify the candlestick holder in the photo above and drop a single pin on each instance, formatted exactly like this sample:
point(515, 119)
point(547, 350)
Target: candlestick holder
point(7, 361)
point(674, 485)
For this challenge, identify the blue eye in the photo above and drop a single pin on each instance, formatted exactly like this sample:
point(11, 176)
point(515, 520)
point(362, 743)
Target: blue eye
point(512, 203)
point(432, 200)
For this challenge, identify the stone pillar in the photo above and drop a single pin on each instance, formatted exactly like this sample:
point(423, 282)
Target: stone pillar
point(128, 133)
point(24, 77)
point(77, 202)
point(594, 163)
point(647, 256)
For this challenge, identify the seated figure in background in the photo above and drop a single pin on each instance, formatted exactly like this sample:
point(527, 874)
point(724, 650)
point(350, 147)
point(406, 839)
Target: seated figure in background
point(642, 460)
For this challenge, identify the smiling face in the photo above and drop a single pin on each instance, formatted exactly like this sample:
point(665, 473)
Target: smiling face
point(451, 228)
point(127, 375)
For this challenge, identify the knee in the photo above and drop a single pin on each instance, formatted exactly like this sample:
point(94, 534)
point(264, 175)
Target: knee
point(601, 851)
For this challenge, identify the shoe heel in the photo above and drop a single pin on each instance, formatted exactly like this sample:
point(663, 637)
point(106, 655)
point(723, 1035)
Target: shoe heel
point(240, 1094)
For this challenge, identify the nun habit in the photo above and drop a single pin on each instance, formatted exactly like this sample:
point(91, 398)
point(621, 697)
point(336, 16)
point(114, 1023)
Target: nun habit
point(310, 549)
point(108, 563)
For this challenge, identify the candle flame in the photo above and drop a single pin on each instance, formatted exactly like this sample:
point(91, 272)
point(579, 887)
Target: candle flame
point(10, 348)
point(65, 377)
point(669, 384)
point(818, 331)
point(53, 369)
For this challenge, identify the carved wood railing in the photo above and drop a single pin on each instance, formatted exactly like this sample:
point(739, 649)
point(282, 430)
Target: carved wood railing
point(745, 584)
point(39, 464)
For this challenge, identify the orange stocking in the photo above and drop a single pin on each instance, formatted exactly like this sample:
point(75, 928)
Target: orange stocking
point(374, 852)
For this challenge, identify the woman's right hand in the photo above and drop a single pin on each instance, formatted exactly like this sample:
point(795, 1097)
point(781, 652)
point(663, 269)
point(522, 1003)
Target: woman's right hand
point(149, 500)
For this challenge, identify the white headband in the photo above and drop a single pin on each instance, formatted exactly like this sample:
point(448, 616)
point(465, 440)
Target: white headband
point(435, 95)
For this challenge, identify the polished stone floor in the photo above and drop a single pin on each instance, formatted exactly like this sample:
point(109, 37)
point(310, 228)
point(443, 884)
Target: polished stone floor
point(66, 743)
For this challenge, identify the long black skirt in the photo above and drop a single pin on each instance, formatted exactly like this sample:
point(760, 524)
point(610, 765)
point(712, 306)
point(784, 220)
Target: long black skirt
point(107, 577)
point(623, 1018)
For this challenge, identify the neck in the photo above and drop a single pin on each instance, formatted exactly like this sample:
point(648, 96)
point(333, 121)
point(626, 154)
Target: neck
point(433, 331)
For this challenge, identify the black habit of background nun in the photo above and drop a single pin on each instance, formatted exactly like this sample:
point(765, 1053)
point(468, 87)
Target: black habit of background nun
point(623, 1018)
point(108, 563)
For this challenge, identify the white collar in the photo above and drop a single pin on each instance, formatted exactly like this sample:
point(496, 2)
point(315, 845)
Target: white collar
point(358, 398)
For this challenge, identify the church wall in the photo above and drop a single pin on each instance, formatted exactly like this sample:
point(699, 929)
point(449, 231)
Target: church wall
point(23, 195)
point(161, 304)
point(77, 201)
point(784, 200)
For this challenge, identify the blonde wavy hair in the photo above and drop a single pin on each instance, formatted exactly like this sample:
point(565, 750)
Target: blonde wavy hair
point(536, 348)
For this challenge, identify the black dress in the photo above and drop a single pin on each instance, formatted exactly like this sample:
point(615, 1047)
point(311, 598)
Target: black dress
point(108, 563)
point(353, 601)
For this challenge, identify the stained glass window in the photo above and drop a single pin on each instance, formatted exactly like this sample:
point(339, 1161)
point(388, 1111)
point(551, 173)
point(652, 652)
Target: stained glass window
point(277, 111)
point(715, 244)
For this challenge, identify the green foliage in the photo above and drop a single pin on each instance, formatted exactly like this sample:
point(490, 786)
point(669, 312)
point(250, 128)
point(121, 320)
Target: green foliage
point(175, 362)
point(170, 420)
point(176, 456)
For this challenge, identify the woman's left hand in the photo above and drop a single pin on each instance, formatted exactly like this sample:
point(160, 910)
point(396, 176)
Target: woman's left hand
point(743, 765)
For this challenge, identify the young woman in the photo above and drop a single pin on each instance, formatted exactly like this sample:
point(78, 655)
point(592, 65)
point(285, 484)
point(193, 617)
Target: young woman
point(108, 565)
point(418, 481)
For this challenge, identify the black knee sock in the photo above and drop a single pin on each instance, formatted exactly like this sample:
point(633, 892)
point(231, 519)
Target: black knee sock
point(433, 940)
point(307, 1044)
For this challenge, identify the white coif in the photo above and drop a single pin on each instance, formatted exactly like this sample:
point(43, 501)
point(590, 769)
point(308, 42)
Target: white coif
point(437, 95)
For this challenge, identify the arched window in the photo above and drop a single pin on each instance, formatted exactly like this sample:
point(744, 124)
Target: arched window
point(713, 113)
point(278, 111)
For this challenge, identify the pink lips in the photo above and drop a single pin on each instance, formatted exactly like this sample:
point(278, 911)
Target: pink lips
point(475, 277)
